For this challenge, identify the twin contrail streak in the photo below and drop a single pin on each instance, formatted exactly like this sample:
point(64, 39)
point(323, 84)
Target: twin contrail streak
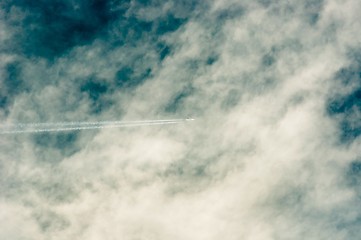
point(76, 126)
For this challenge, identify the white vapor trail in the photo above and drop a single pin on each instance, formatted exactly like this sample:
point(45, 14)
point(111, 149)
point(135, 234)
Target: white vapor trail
point(75, 126)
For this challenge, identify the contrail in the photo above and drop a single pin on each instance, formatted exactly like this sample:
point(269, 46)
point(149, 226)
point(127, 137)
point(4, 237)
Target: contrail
point(91, 123)
point(76, 126)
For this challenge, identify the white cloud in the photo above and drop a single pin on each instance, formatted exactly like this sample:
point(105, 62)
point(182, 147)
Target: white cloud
point(262, 160)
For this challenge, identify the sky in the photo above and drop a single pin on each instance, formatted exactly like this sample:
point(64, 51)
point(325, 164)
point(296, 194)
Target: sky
point(274, 151)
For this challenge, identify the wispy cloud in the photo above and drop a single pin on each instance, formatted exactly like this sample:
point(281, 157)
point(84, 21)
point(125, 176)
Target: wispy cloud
point(274, 152)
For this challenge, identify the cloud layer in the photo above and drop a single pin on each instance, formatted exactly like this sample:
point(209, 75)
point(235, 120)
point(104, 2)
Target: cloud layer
point(274, 152)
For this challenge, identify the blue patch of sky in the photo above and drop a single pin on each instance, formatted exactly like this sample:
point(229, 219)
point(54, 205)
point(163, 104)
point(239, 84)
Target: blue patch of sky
point(353, 180)
point(163, 50)
point(346, 107)
point(12, 84)
point(127, 78)
point(312, 10)
point(353, 175)
point(58, 141)
point(60, 144)
point(51, 29)
point(95, 89)
point(212, 59)
point(177, 101)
